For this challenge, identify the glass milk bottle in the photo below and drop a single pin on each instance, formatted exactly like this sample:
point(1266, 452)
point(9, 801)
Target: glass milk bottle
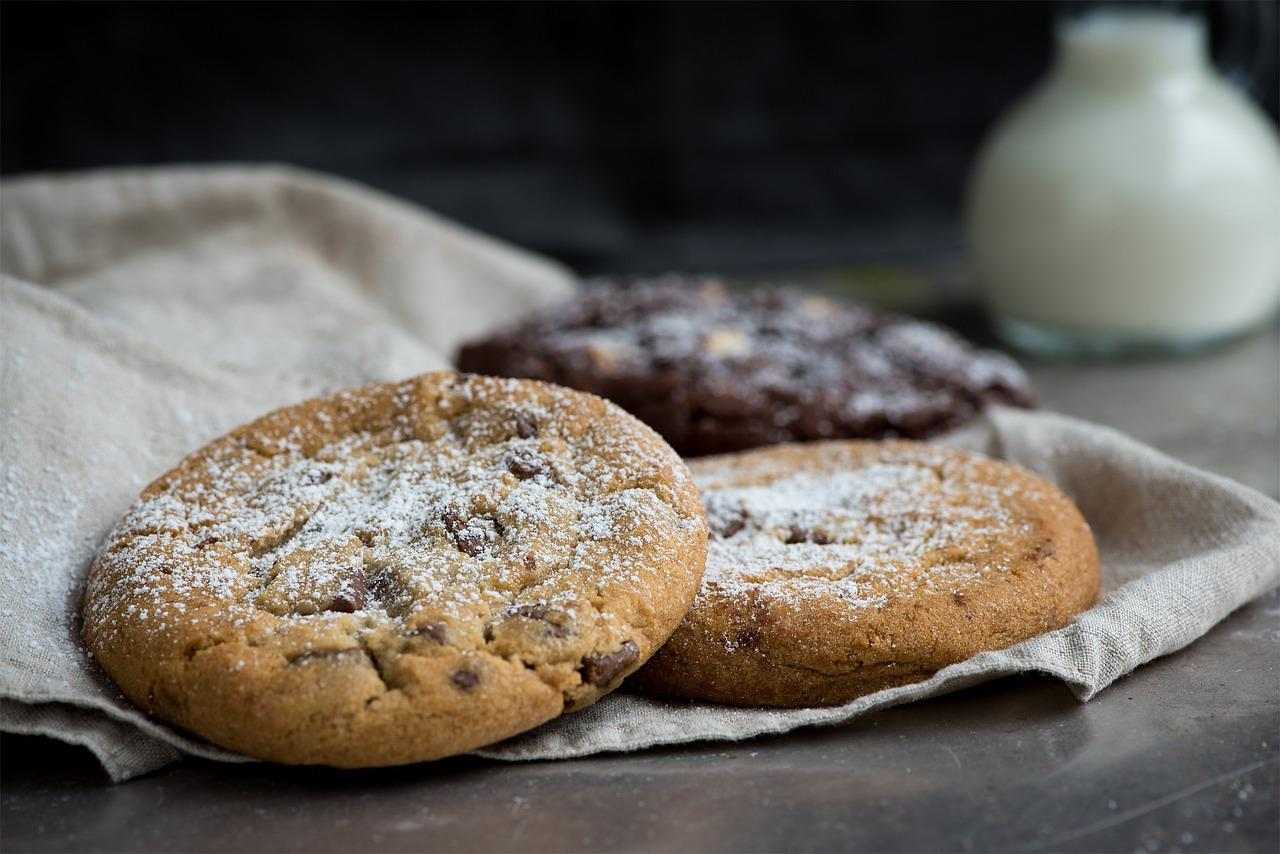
point(1132, 201)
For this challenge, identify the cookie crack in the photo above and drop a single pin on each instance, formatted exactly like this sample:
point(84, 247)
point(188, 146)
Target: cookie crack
point(379, 670)
point(290, 533)
point(191, 650)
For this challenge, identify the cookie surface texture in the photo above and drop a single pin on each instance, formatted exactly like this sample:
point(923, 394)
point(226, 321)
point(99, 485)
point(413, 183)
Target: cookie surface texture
point(715, 369)
point(836, 569)
point(400, 572)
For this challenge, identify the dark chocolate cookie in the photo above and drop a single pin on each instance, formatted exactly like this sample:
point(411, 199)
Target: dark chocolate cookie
point(715, 370)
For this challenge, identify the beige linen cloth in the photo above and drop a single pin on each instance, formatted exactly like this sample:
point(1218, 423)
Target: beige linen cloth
point(143, 313)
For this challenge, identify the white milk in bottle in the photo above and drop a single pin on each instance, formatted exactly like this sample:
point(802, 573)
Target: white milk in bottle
point(1132, 200)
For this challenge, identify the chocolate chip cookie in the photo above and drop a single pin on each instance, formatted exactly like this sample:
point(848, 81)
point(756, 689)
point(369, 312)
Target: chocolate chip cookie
point(400, 572)
point(715, 370)
point(837, 569)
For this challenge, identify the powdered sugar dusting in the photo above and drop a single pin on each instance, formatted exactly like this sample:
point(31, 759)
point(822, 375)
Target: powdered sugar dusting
point(385, 524)
point(861, 535)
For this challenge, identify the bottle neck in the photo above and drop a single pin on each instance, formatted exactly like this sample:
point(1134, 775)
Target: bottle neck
point(1125, 49)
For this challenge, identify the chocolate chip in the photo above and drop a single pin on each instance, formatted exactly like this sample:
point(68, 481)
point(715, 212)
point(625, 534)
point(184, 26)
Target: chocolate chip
point(526, 425)
point(533, 612)
point(800, 534)
point(343, 604)
point(315, 477)
point(436, 631)
point(470, 535)
point(384, 586)
point(465, 680)
point(351, 598)
point(726, 526)
point(600, 670)
point(471, 540)
point(524, 464)
point(554, 619)
point(453, 519)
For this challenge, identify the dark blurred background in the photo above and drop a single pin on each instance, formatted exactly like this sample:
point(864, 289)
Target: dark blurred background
point(615, 137)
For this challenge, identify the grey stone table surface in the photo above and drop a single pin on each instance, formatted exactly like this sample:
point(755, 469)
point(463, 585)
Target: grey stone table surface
point(1182, 755)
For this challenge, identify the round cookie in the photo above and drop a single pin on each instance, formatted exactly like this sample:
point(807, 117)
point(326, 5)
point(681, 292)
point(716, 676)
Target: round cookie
point(400, 572)
point(836, 569)
point(716, 370)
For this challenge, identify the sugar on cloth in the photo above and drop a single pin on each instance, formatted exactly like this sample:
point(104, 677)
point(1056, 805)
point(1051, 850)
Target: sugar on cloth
point(145, 312)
